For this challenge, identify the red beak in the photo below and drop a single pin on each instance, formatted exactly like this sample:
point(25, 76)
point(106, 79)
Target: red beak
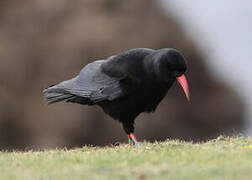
point(183, 82)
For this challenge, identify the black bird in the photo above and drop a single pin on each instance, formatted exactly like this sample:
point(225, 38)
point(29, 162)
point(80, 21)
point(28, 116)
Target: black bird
point(124, 85)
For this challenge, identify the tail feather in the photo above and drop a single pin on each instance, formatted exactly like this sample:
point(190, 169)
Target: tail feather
point(58, 92)
point(54, 95)
point(66, 92)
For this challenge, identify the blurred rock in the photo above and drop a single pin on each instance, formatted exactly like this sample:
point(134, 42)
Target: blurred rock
point(44, 42)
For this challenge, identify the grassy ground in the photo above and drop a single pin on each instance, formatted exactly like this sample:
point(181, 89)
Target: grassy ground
point(223, 158)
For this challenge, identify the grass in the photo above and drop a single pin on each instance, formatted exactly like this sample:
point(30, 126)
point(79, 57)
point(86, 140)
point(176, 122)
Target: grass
point(222, 158)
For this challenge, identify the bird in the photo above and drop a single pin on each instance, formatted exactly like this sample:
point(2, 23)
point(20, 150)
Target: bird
point(125, 85)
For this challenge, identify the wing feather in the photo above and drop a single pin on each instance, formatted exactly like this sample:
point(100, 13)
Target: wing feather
point(92, 83)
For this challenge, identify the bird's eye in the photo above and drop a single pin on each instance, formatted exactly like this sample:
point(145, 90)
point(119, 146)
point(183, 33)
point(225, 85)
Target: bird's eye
point(178, 73)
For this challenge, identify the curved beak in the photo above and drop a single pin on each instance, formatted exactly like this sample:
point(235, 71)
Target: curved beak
point(183, 82)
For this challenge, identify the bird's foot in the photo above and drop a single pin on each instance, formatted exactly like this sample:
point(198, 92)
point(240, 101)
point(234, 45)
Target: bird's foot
point(116, 144)
point(119, 144)
point(133, 140)
point(138, 144)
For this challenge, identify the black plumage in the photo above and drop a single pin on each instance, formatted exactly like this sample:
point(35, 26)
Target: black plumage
point(123, 85)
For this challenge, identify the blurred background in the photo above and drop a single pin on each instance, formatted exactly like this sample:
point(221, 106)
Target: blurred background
point(43, 42)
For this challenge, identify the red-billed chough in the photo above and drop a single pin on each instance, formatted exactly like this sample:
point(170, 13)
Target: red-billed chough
point(124, 85)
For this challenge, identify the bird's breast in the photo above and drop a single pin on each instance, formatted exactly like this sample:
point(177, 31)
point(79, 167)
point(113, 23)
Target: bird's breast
point(145, 99)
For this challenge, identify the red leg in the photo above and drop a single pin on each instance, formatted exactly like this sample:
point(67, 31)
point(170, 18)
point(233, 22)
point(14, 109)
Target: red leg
point(133, 137)
point(128, 127)
point(131, 142)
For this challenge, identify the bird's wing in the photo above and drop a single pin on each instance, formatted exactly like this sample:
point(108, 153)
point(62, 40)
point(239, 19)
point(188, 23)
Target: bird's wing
point(112, 78)
point(94, 84)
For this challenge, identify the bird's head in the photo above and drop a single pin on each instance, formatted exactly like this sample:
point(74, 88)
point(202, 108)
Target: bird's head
point(172, 66)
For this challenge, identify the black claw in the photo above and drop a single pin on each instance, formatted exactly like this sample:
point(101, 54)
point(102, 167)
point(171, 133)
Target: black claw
point(116, 144)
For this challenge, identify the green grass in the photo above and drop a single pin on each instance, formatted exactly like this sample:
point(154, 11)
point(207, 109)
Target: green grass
point(223, 158)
